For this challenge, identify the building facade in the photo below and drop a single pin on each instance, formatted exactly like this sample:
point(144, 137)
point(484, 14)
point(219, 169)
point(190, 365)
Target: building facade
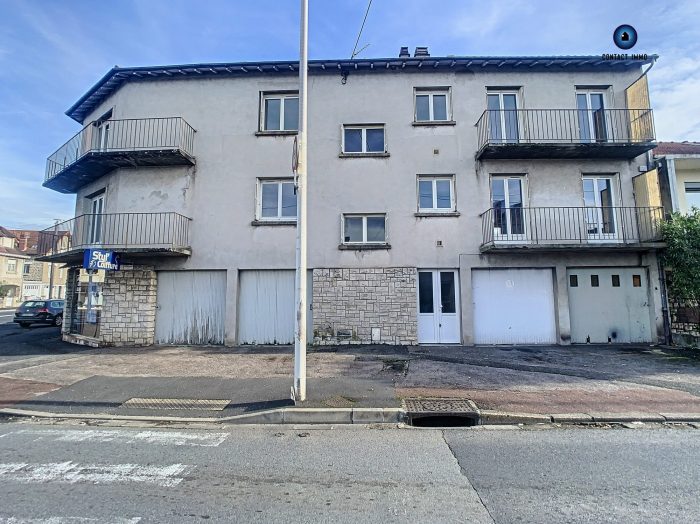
point(12, 263)
point(473, 200)
point(39, 279)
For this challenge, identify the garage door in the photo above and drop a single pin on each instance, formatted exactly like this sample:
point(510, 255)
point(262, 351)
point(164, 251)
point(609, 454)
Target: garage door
point(266, 307)
point(191, 307)
point(609, 305)
point(513, 306)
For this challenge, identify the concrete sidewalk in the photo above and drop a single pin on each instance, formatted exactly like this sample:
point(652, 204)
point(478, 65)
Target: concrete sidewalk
point(355, 383)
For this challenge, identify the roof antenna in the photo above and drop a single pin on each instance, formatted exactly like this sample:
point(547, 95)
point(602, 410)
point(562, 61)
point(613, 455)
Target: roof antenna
point(356, 51)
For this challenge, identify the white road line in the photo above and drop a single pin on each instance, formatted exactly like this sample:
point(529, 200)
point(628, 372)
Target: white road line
point(165, 438)
point(68, 520)
point(72, 473)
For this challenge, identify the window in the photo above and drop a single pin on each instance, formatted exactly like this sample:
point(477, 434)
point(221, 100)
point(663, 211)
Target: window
point(573, 280)
point(594, 281)
point(432, 105)
point(692, 195)
point(280, 112)
point(436, 194)
point(636, 281)
point(615, 280)
point(363, 139)
point(11, 265)
point(276, 200)
point(27, 268)
point(364, 229)
point(503, 116)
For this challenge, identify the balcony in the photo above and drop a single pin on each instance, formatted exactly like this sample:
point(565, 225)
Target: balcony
point(521, 229)
point(131, 234)
point(106, 145)
point(565, 133)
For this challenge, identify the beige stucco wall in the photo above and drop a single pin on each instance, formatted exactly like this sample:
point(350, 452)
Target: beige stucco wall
point(219, 192)
point(683, 176)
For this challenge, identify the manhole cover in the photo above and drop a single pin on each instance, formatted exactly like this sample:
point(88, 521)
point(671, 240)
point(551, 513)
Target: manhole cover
point(176, 403)
point(439, 405)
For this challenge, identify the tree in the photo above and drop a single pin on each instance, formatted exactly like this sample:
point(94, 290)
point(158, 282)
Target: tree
point(682, 255)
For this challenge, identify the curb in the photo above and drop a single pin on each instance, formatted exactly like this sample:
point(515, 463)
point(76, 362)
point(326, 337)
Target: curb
point(343, 416)
point(289, 415)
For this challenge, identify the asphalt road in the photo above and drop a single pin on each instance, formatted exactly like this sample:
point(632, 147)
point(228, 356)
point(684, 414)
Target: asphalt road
point(293, 474)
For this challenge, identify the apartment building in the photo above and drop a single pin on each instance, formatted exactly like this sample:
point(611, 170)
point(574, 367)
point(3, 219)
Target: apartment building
point(473, 200)
point(38, 277)
point(11, 265)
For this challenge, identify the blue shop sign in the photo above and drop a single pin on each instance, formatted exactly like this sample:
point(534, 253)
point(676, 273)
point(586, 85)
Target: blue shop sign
point(101, 259)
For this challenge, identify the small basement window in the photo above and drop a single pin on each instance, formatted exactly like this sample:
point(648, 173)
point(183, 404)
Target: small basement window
point(594, 281)
point(616, 281)
point(636, 280)
point(573, 280)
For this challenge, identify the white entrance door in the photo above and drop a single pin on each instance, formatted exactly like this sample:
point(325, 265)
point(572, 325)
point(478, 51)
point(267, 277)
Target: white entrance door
point(266, 307)
point(513, 306)
point(438, 307)
point(609, 305)
point(592, 124)
point(191, 307)
point(95, 222)
point(599, 200)
point(508, 214)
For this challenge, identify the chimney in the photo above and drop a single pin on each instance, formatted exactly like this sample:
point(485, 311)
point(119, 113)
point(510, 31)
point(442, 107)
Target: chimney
point(404, 52)
point(421, 52)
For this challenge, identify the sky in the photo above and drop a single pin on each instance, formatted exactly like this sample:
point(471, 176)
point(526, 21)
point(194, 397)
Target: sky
point(52, 51)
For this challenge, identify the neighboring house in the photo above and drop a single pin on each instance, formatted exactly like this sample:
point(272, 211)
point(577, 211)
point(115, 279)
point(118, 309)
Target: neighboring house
point(38, 277)
point(679, 174)
point(678, 165)
point(474, 200)
point(11, 268)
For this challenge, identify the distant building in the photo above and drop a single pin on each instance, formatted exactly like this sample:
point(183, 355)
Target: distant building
point(12, 262)
point(38, 276)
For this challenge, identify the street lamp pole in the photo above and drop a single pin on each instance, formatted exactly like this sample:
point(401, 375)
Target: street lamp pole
point(301, 248)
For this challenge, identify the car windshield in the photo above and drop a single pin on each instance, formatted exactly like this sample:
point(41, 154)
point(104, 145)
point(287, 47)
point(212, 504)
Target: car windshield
point(34, 303)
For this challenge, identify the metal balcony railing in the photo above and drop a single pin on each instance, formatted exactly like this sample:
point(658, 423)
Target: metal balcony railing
point(112, 136)
point(117, 231)
point(570, 226)
point(565, 126)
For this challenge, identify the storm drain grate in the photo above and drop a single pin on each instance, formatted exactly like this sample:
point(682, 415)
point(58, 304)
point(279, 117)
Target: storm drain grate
point(439, 405)
point(176, 403)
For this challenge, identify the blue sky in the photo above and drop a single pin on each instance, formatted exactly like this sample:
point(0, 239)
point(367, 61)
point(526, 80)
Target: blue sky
point(52, 51)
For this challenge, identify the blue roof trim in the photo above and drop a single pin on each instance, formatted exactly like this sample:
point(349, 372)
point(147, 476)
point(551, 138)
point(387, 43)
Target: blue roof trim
point(116, 76)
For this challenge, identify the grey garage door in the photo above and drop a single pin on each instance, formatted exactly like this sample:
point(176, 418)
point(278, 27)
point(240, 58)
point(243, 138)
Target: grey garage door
point(609, 305)
point(191, 307)
point(266, 307)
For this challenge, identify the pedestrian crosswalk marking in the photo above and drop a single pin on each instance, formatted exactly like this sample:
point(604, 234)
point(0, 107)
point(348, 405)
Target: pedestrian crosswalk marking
point(165, 438)
point(73, 473)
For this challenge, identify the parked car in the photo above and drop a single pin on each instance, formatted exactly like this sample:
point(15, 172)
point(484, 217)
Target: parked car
point(39, 312)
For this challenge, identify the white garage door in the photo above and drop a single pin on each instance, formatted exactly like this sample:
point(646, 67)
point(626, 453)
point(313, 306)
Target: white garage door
point(266, 307)
point(513, 306)
point(609, 305)
point(191, 307)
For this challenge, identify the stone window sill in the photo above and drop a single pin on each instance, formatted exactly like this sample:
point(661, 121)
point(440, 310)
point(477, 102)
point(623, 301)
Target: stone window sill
point(363, 155)
point(363, 247)
point(276, 133)
point(436, 214)
point(434, 123)
point(273, 223)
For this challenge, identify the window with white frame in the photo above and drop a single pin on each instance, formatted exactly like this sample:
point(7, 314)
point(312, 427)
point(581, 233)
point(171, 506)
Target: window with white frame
point(432, 105)
point(279, 112)
point(11, 265)
point(359, 139)
point(276, 200)
point(27, 268)
point(436, 194)
point(692, 195)
point(364, 229)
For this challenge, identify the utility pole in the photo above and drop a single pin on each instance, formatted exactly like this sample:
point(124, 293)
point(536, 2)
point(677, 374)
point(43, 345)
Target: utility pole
point(301, 250)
